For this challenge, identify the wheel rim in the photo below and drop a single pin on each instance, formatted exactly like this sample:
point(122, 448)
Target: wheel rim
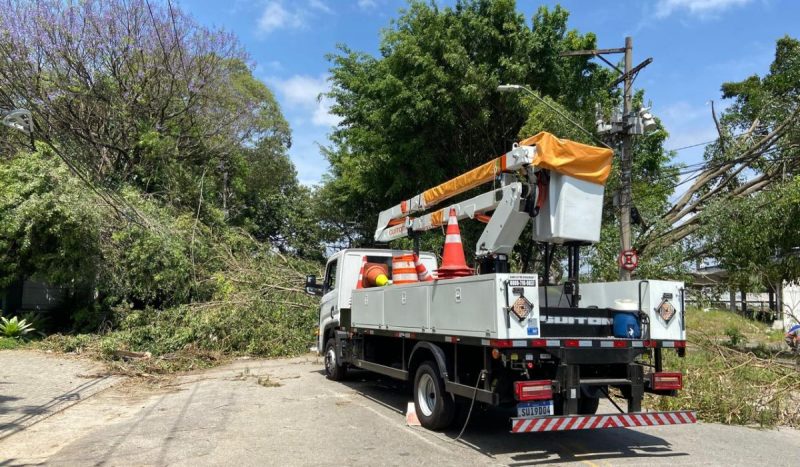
point(426, 394)
point(330, 360)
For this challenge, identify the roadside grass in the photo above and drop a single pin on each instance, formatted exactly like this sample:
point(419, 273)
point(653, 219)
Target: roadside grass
point(722, 324)
point(726, 382)
point(9, 343)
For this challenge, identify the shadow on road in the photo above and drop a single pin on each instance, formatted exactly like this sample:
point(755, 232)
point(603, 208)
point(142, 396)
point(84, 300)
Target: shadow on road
point(488, 431)
point(31, 414)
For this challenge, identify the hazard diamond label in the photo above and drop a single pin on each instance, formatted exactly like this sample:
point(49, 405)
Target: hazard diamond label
point(522, 307)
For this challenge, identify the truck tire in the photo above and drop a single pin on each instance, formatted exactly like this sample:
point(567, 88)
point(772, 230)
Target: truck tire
point(435, 407)
point(333, 369)
point(590, 399)
point(588, 405)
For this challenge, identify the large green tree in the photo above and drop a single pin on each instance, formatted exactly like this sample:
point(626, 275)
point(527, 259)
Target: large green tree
point(760, 245)
point(138, 93)
point(758, 148)
point(157, 152)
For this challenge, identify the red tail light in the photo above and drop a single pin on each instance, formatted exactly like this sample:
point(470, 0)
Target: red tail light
point(533, 390)
point(666, 381)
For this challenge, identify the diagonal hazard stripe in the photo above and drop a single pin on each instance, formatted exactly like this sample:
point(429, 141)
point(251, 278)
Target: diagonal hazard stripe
point(538, 424)
point(551, 424)
point(589, 422)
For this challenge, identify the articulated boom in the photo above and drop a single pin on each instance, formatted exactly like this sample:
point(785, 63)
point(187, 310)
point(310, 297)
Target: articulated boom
point(507, 204)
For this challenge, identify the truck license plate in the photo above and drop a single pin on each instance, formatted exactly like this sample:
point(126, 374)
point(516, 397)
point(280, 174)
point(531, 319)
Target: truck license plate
point(534, 409)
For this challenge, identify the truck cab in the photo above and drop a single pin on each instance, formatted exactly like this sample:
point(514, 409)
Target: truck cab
point(341, 276)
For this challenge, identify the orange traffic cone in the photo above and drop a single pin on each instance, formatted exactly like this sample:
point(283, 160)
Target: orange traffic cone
point(453, 262)
point(375, 274)
point(422, 272)
point(360, 283)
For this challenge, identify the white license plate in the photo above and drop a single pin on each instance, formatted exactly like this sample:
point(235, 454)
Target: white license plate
point(534, 409)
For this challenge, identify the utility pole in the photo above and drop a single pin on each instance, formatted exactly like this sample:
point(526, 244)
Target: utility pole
point(626, 160)
point(626, 125)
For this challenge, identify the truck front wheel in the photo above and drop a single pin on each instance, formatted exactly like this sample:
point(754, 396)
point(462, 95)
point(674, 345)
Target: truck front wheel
point(435, 408)
point(334, 370)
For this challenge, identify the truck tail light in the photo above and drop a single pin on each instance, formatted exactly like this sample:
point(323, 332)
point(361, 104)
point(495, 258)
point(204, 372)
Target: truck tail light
point(533, 390)
point(666, 381)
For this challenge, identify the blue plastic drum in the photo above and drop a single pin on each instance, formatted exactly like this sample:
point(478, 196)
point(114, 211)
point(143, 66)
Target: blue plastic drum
point(626, 325)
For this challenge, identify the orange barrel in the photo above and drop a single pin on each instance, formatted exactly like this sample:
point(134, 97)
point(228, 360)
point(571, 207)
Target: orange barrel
point(373, 273)
point(404, 270)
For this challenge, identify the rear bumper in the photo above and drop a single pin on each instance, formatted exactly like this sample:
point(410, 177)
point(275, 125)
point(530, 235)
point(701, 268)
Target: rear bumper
point(592, 422)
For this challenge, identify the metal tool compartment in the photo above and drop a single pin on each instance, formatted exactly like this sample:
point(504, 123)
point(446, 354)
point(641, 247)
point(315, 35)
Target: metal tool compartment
point(466, 306)
point(407, 306)
point(367, 308)
point(661, 300)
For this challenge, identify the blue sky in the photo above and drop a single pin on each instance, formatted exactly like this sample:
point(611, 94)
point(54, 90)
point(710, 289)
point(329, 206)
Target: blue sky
point(696, 45)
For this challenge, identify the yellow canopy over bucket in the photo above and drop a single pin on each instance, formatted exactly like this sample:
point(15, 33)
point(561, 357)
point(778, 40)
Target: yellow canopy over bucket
point(582, 161)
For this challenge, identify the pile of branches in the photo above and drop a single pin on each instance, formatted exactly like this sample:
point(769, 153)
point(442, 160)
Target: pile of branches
point(728, 385)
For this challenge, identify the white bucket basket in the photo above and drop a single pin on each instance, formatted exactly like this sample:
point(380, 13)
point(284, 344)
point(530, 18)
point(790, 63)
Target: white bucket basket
point(572, 211)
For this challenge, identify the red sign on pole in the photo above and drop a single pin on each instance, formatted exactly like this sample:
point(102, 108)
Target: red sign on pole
point(628, 260)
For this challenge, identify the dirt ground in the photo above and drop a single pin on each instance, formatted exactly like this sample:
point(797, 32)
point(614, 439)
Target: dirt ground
point(284, 412)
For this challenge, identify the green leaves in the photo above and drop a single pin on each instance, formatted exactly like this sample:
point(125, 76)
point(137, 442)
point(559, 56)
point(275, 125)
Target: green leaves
point(50, 221)
point(15, 328)
point(757, 237)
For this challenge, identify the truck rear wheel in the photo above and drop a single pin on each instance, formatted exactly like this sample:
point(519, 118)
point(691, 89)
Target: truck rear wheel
point(435, 407)
point(588, 405)
point(333, 369)
point(590, 399)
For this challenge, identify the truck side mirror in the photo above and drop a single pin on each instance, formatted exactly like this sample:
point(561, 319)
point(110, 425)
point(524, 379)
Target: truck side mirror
point(312, 288)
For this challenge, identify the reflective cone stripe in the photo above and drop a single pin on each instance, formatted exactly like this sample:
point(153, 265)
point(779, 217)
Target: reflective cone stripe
point(403, 269)
point(422, 272)
point(589, 422)
point(360, 283)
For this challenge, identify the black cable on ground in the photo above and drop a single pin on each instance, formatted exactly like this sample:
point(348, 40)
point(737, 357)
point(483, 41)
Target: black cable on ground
point(472, 404)
point(608, 396)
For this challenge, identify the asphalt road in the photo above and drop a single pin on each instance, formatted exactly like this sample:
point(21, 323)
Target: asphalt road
point(284, 412)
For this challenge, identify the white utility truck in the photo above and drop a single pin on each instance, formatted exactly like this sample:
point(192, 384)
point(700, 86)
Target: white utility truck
point(498, 337)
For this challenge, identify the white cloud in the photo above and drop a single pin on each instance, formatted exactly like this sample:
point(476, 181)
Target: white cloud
point(701, 8)
point(275, 16)
point(303, 92)
point(322, 114)
point(367, 4)
point(320, 5)
point(301, 89)
point(281, 14)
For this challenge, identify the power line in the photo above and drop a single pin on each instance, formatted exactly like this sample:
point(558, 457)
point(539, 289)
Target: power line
point(705, 143)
